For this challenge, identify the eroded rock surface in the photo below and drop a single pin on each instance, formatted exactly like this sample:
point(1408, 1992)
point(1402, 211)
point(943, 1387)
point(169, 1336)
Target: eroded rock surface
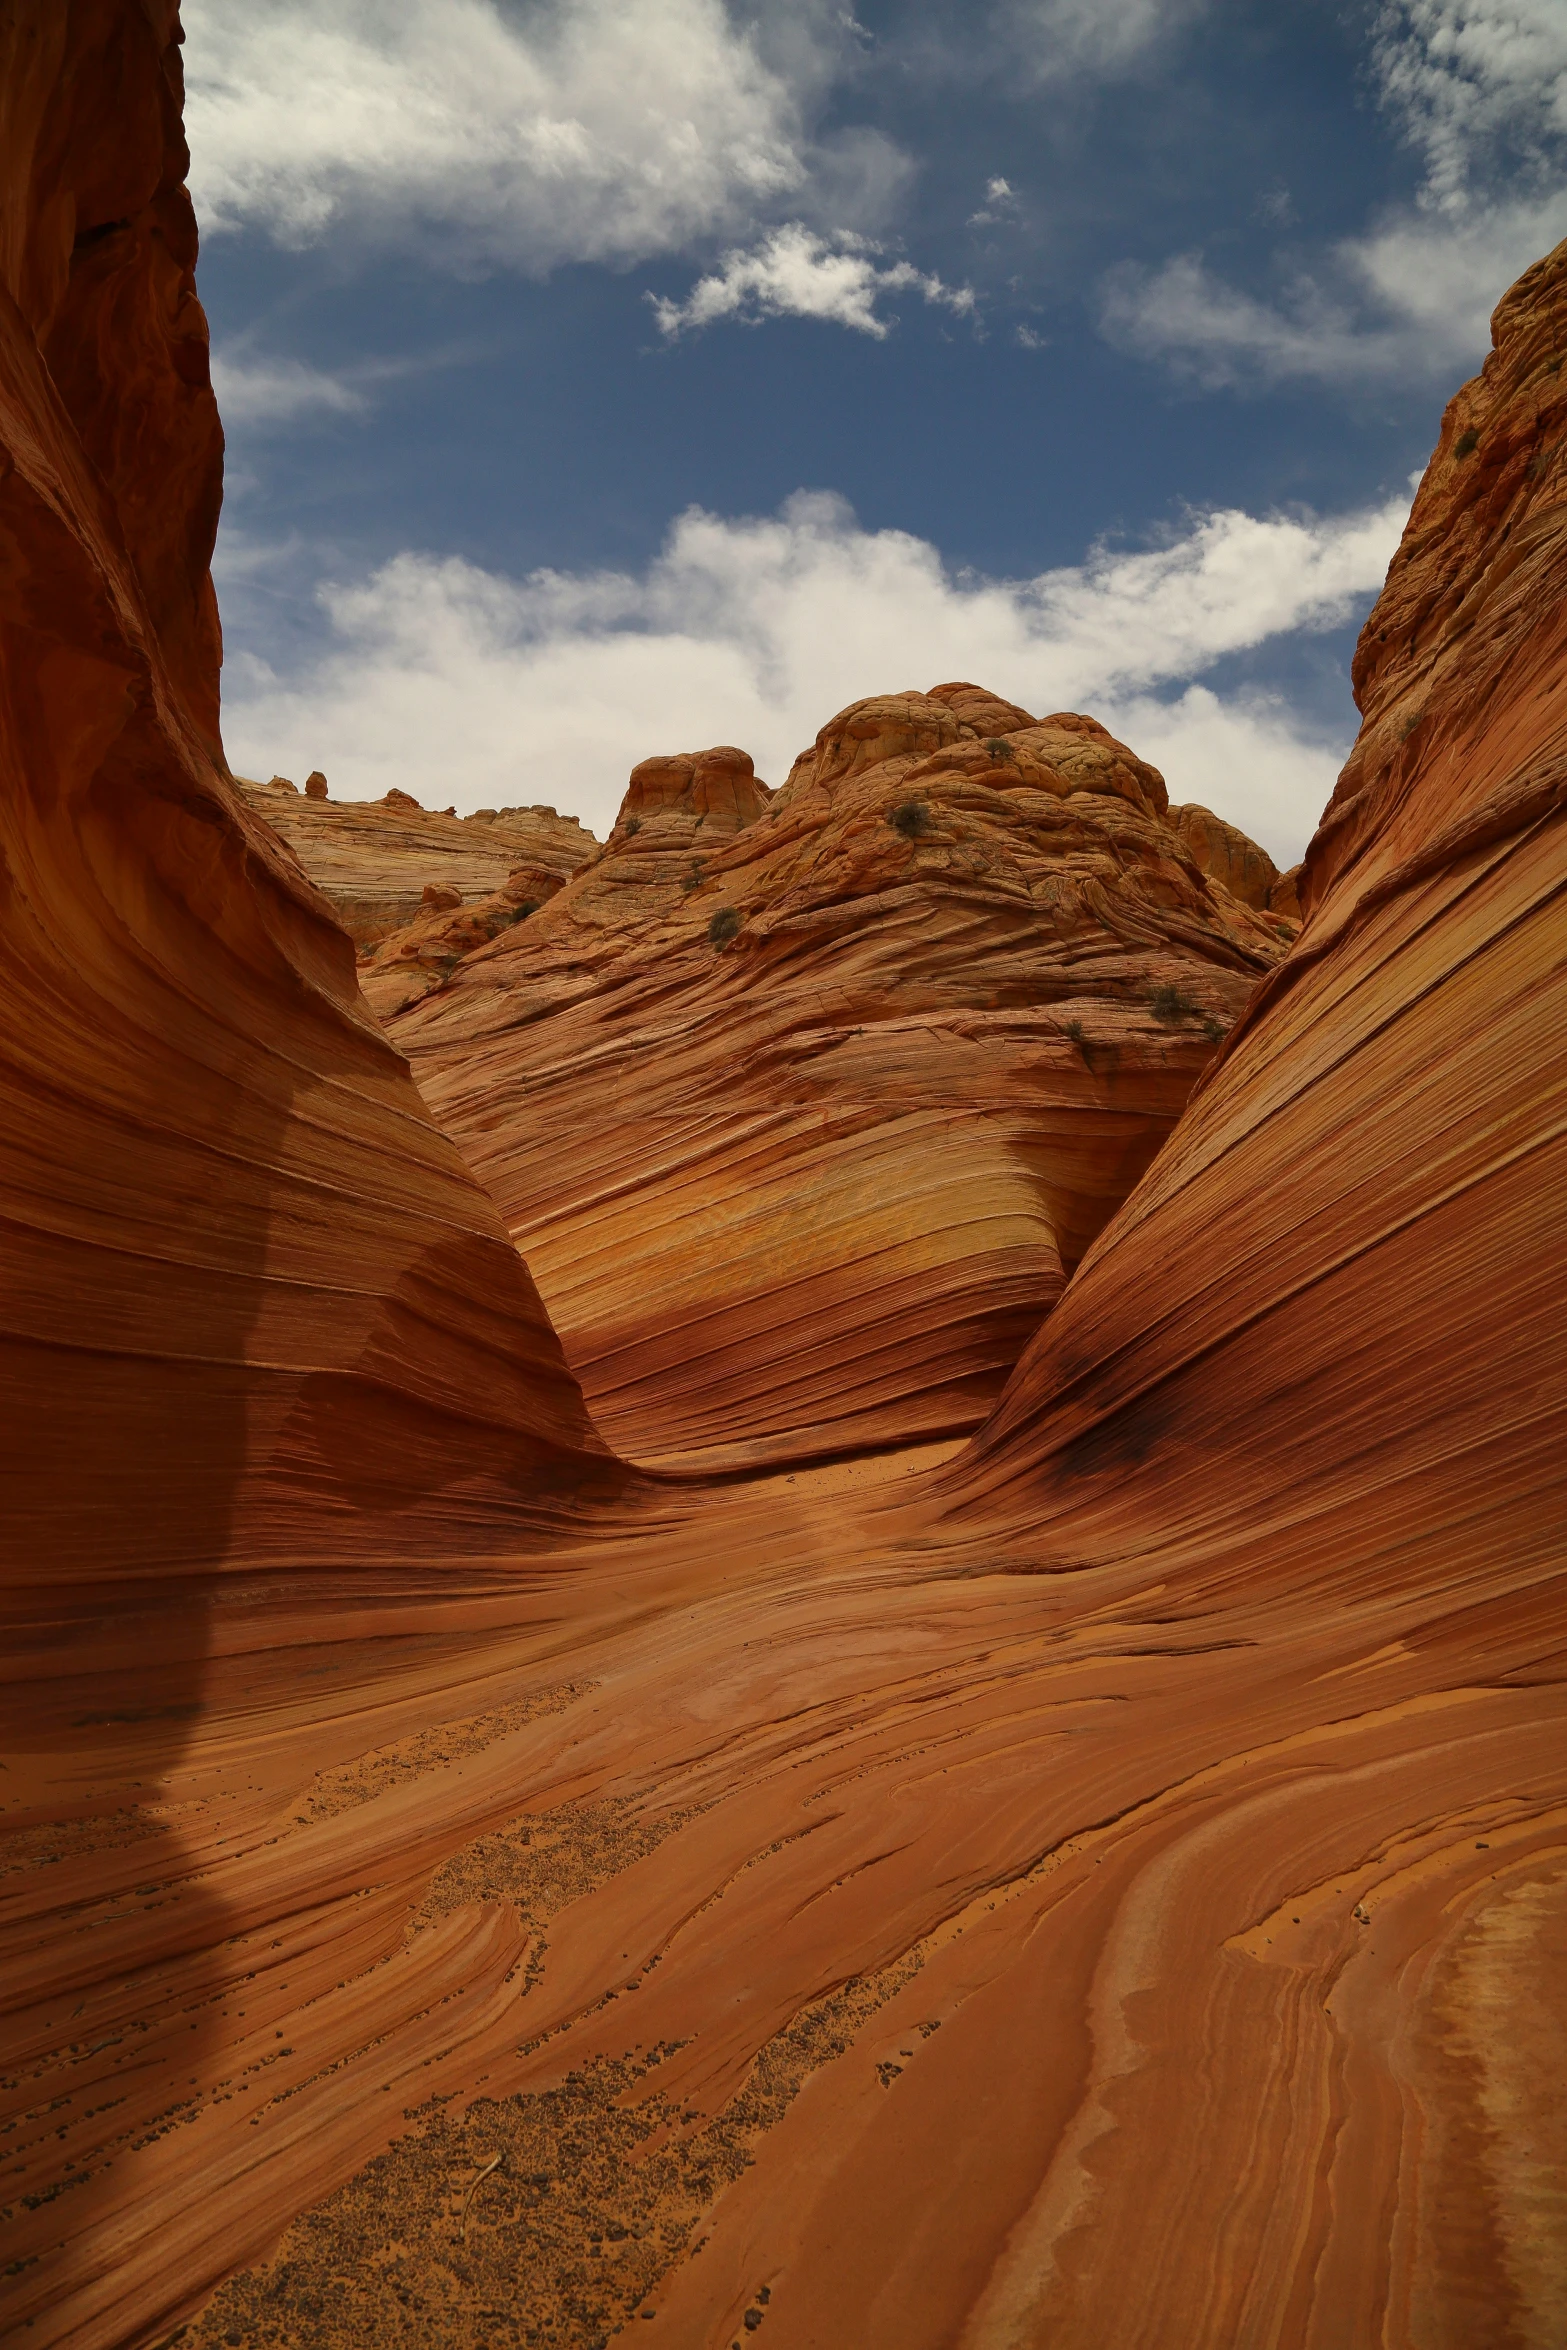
point(803, 1107)
point(252, 1274)
point(1105, 1887)
point(375, 860)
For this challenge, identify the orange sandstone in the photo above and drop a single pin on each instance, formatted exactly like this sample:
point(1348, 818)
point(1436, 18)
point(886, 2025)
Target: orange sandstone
point(374, 860)
point(803, 1107)
point(1105, 1887)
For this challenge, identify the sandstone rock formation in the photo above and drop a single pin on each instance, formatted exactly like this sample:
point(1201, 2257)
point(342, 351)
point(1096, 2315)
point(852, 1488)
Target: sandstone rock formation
point(1247, 871)
point(373, 860)
point(803, 1107)
point(1106, 1887)
point(256, 1305)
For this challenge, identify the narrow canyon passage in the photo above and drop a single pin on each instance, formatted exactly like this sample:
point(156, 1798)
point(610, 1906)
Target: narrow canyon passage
point(1082, 1863)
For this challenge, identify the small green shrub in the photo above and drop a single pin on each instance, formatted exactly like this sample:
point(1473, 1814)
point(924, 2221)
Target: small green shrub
point(1214, 1030)
point(911, 818)
point(1074, 1029)
point(633, 824)
point(528, 906)
point(1170, 1003)
point(1000, 748)
point(724, 926)
point(1466, 443)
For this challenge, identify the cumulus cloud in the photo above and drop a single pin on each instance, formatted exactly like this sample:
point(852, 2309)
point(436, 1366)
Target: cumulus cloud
point(472, 689)
point(793, 273)
point(566, 130)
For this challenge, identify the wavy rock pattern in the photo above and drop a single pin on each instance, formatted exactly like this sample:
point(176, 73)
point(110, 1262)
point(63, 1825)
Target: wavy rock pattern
point(245, 1261)
point(802, 1107)
point(1106, 1886)
point(380, 863)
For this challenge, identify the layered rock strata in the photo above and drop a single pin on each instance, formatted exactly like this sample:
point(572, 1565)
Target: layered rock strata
point(802, 1107)
point(261, 1304)
point(382, 864)
point(1109, 1888)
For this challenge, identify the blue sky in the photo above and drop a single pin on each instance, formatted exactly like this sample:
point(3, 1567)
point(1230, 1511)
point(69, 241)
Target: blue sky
point(614, 376)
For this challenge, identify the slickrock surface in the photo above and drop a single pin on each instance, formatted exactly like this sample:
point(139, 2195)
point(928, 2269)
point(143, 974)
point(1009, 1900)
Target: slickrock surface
point(257, 1306)
point(803, 1107)
point(1105, 1885)
point(377, 861)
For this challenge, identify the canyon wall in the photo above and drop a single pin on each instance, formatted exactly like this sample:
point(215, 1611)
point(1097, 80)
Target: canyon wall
point(254, 1304)
point(803, 1106)
point(1104, 1885)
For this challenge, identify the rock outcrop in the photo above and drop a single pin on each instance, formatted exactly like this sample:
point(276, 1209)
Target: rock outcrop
point(803, 1107)
point(375, 861)
point(1106, 1886)
point(251, 1267)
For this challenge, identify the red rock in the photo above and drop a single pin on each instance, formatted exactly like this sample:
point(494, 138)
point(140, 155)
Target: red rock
point(802, 1108)
point(315, 786)
point(374, 860)
point(253, 1278)
point(1225, 854)
point(1284, 894)
point(1105, 1889)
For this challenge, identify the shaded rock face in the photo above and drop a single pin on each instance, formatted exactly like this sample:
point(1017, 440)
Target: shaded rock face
point(99, 250)
point(251, 1261)
point(375, 861)
point(802, 1108)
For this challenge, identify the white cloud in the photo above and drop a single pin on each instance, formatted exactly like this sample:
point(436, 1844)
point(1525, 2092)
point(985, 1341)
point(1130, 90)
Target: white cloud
point(793, 273)
point(1476, 83)
point(564, 130)
point(1000, 204)
point(1247, 756)
point(1480, 89)
point(1408, 301)
point(471, 689)
point(267, 392)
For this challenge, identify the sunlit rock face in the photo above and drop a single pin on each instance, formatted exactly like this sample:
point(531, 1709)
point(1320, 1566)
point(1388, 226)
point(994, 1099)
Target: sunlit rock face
point(1308, 1390)
point(802, 1107)
point(376, 861)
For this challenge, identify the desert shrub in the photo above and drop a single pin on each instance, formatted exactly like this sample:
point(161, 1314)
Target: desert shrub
point(723, 926)
point(633, 824)
point(1466, 443)
point(911, 818)
point(1170, 1003)
point(1000, 748)
point(1074, 1029)
point(528, 906)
